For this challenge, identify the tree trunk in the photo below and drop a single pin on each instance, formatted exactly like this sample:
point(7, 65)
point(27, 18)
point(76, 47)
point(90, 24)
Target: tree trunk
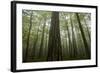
point(74, 45)
point(83, 36)
point(35, 43)
point(87, 30)
point(54, 44)
point(69, 41)
point(42, 39)
point(28, 37)
point(46, 45)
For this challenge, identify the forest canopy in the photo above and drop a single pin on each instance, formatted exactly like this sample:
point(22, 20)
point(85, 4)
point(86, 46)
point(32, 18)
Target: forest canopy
point(55, 36)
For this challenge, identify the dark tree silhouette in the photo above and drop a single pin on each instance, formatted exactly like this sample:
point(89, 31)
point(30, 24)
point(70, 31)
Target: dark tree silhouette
point(54, 43)
point(83, 36)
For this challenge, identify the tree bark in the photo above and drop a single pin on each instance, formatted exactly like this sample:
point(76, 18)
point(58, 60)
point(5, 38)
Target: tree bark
point(54, 44)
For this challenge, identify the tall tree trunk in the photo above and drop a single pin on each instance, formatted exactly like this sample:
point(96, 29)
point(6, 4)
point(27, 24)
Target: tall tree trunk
point(69, 41)
point(28, 37)
point(88, 32)
point(74, 50)
point(83, 36)
point(35, 43)
point(79, 40)
point(42, 39)
point(46, 45)
point(54, 44)
point(66, 52)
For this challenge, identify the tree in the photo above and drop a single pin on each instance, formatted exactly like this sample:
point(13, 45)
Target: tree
point(83, 36)
point(54, 43)
point(69, 39)
point(55, 36)
point(28, 37)
point(74, 45)
point(35, 43)
point(42, 39)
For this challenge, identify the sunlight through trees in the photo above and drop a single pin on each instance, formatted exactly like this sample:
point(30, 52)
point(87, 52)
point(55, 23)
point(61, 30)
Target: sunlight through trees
point(55, 36)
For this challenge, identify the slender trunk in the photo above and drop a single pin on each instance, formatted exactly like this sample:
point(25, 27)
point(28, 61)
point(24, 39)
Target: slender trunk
point(66, 47)
point(42, 39)
point(35, 43)
point(80, 44)
point(74, 50)
point(28, 37)
point(69, 41)
point(83, 36)
point(46, 44)
point(87, 29)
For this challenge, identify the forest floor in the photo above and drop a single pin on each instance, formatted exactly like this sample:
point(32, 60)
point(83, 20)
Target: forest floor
point(43, 59)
